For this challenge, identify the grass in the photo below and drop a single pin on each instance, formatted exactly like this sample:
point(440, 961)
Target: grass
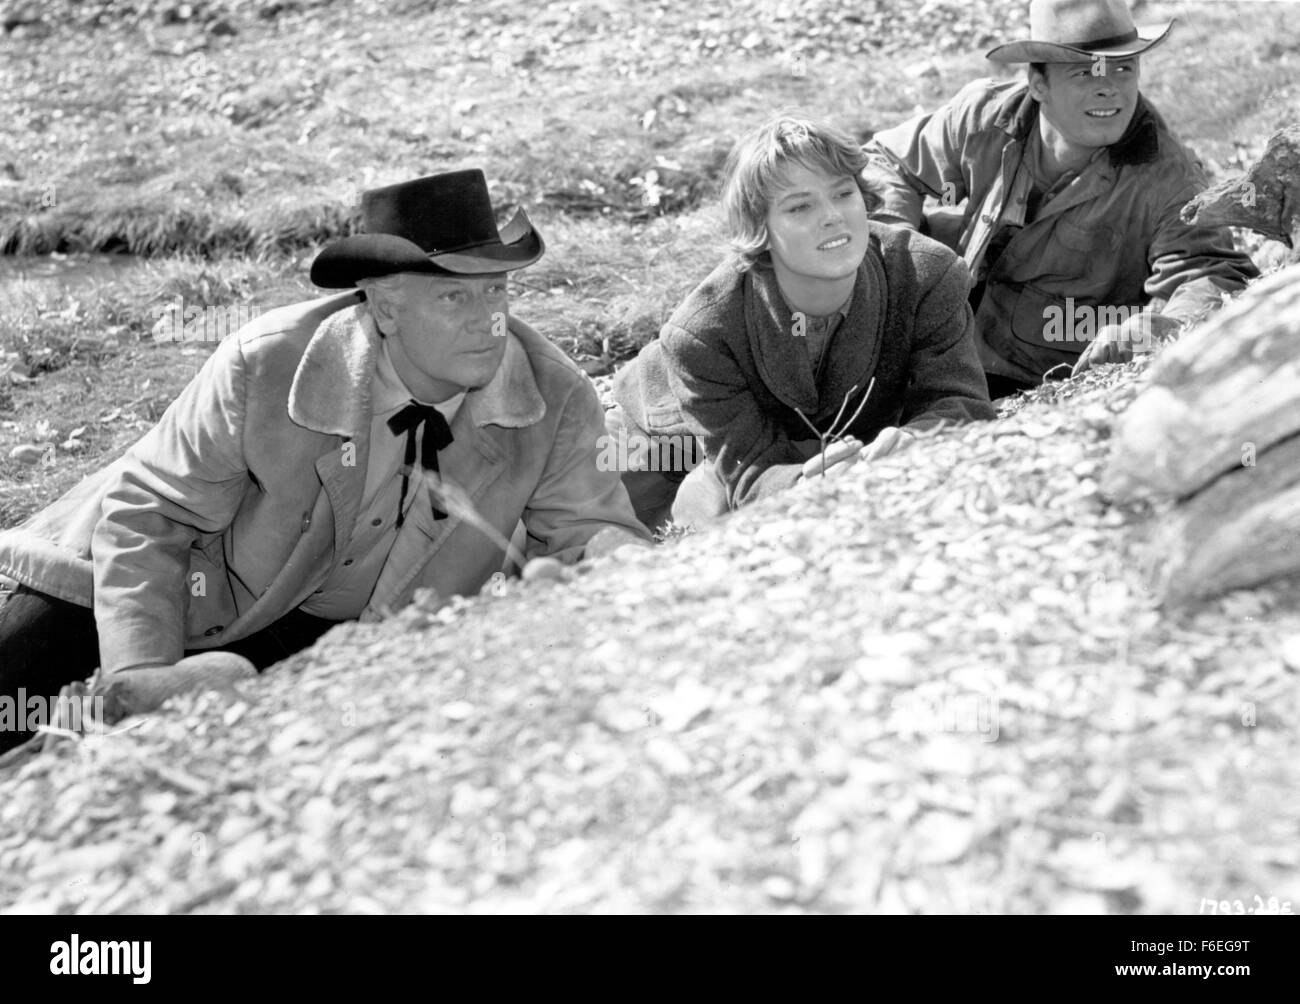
point(229, 160)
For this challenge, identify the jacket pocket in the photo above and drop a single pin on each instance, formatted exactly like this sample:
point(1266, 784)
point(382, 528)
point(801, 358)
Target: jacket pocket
point(210, 607)
point(1092, 238)
point(1019, 330)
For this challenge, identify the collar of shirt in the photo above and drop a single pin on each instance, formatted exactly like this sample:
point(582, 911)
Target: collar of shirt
point(389, 393)
point(832, 320)
point(1036, 164)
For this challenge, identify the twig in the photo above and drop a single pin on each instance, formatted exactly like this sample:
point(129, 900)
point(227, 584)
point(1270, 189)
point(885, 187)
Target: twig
point(834, 435)
point(457, 502)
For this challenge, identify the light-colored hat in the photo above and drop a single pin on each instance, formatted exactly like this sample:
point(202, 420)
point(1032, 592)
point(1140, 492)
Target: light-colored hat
point(1073, 31)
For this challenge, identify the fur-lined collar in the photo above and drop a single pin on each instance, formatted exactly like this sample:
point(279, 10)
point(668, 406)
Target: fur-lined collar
point(331, 387)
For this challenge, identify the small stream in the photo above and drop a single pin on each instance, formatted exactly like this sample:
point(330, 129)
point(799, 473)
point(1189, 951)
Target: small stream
point(55, 273)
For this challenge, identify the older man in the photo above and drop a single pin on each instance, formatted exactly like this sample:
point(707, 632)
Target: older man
point(281, 494)
point(1072, 186)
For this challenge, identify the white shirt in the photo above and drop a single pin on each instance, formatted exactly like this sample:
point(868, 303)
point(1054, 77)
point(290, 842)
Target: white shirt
point(351, 580)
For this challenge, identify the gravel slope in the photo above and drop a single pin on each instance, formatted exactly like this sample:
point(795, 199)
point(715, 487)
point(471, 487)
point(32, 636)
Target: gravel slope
point(933, 685)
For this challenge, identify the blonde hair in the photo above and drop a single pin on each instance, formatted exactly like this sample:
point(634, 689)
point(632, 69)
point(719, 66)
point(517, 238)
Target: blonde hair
point(757, 165)
point(390, 289)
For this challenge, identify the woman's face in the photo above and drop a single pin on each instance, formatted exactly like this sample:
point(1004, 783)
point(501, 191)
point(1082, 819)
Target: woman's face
point(817, 224)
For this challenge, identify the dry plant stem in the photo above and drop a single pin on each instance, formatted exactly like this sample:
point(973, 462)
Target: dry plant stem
point(833, 435)
point(457, 502)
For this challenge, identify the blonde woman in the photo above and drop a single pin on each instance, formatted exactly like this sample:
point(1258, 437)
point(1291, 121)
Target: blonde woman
point(822, 321)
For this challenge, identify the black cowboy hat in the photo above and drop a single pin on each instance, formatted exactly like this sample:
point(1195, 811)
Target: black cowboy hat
point(1073, 31)
point(442, 224)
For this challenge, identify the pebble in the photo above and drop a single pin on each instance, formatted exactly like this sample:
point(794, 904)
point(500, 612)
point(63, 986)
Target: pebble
point(779, 888)
point(27, 454)
point(543, 570)
point(457, 711)
point(668, 757)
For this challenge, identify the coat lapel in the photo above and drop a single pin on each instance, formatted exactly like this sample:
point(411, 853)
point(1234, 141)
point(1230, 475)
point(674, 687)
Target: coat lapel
point(852, 353)
point(331, 394)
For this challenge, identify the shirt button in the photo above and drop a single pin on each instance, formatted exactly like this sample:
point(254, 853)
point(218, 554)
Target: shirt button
point(376, 522)
point(349, 561)
point(210, 632)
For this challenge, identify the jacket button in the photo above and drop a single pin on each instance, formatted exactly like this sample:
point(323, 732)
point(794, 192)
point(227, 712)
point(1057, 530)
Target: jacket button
point(376, 522)
point(348, 562)
point(213, 630)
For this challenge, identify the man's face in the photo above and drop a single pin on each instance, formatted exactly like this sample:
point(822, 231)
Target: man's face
point(445, 333)
point(1089, 104)
point(817, 224)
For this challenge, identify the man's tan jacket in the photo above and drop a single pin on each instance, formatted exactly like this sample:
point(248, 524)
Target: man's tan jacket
point(228, 514)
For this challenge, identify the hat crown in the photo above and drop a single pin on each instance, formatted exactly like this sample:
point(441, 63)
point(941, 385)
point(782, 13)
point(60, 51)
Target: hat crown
point(1081, 22)
point(443, 212)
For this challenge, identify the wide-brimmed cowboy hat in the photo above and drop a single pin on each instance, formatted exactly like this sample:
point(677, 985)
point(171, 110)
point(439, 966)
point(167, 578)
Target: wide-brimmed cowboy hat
point(1072, 31)
point(442, 224)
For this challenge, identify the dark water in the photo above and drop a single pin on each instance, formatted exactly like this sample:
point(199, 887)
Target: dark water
point(49, 275)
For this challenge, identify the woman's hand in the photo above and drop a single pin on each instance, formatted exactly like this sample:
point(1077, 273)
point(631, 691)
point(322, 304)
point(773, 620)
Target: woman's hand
point(888, 440)
point(843, 451)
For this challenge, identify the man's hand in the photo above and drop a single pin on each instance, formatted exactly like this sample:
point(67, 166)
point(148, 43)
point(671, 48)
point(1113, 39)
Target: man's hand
point(1115, 343)
point(136, 691)
point(843, 451)
point(607, 541)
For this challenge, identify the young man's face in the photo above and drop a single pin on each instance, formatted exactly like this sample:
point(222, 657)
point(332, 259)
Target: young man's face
point(1089, 104)
point(817, 224)
point(445, 333)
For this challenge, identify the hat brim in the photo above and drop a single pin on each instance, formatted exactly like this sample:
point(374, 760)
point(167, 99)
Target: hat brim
point(371, 256)
point(1030, 51)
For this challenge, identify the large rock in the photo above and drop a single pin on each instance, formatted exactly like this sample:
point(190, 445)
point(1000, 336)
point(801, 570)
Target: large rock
point(1266, 199)
point(1218, 429)
point(1227, 392)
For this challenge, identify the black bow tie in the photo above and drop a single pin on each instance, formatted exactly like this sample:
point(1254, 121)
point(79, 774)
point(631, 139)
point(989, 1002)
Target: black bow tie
point(437, 436)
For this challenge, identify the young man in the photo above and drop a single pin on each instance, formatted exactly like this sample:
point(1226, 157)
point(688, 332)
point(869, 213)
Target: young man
point(822, 323)
point(281, 493)
point(1072, 185)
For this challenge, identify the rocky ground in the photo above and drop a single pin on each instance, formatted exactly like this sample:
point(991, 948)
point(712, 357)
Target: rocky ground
point(937, 684)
